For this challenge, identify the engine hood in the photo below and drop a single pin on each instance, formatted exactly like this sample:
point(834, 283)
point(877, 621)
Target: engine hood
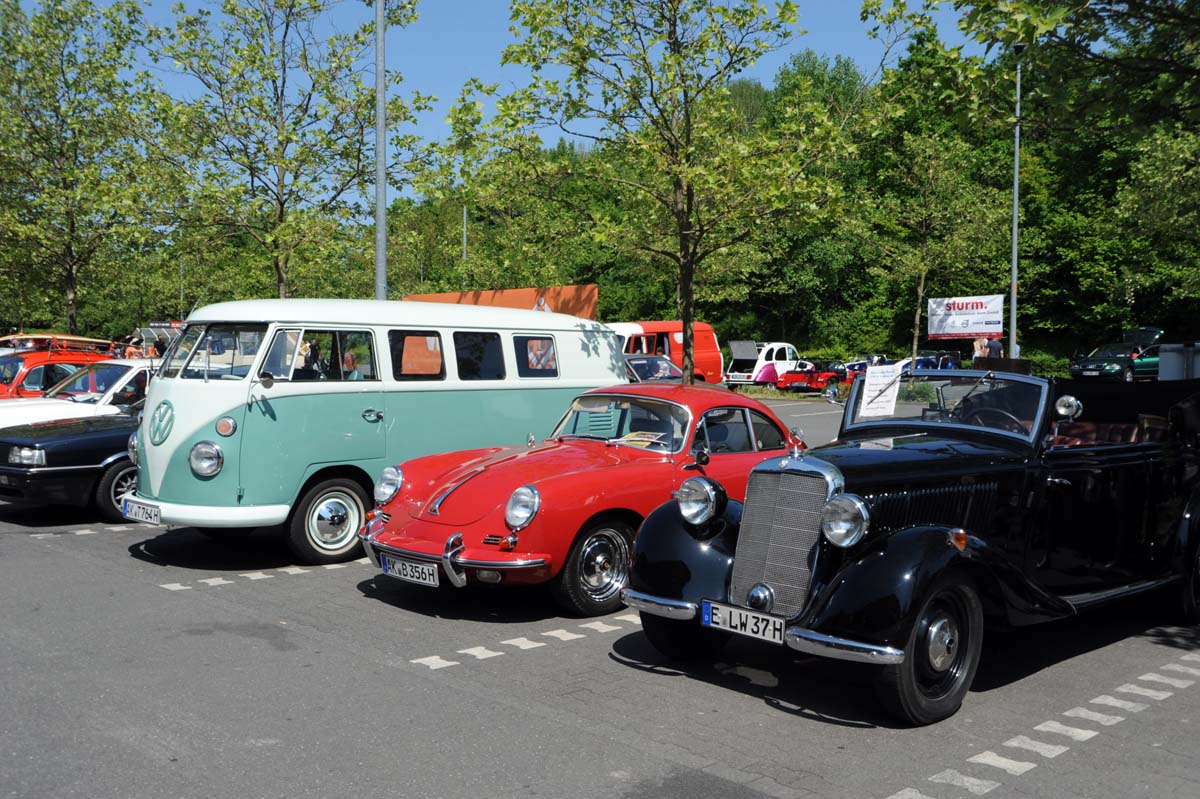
point(867, 463)
point(478, 487)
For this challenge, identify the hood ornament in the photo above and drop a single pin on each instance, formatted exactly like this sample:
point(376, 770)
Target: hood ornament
point(798, 436)
point(531, 441)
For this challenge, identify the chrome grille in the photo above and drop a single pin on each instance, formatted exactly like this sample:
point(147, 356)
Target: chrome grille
point(781, 523)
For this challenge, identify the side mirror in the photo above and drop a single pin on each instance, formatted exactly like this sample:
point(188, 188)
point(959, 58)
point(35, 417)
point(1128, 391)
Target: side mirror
point(831, 396)
point(702, 459)
point(266, 378)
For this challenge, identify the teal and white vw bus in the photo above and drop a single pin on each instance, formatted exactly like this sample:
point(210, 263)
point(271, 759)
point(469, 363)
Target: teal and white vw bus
point(267, 412)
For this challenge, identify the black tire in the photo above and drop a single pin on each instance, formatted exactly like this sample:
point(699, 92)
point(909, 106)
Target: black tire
point(682, 640)
point(117, 479)
point(325, 522)
point(1188, 601)
point(1127, 375)
point(597, 568)
point(941, 655)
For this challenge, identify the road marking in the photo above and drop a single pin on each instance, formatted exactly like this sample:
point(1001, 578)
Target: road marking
point(43, 535)
point(292, 570)
point(334, 566)
point(1149, 693)
point(563, 635)
point(909, 793)
point(632, 618)
point(1016, 767)
point(523, 643)
point(976, 786)
point(1073, 733)
point(116, 527)
point(1043, 749)
point(601, 627)
point(361, 560)
point(480, 652)
point(1181, 669)
point(1091, 715)
point(1112, 701)
point(434, 662)
point(1171, 681)
point(176, 587)
point(215, 581)
point(1192, 657)
point(85, 532)
point(256, 576)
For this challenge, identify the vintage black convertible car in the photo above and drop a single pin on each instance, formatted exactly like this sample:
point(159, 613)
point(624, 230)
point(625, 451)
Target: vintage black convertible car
point(951, 501)
point(82, 462)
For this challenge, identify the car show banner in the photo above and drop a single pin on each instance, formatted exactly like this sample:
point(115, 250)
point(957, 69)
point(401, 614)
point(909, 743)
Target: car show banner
point(966, 317)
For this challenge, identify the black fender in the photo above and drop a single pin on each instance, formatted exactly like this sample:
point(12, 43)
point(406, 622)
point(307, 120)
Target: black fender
point(1187, 536)
point(675, 560)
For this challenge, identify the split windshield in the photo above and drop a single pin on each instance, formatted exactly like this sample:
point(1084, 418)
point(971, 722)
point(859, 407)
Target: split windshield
point(630, 421)
point(214, 352)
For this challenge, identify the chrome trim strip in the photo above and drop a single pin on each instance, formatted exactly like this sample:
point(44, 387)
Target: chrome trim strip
point(814, 643)
point(42, 469)
point(435, 506)
point(525, 563)
point(667, 608)
point(114, 458)
point(1086, 600)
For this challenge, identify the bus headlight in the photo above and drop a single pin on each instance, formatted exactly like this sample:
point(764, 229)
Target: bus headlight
point(845, 520)
point(206, 459)
point(132, 448)
point(522, 506)
point(388, 484)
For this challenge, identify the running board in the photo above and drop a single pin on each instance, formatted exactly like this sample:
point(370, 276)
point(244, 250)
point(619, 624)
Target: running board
point(1084, 601)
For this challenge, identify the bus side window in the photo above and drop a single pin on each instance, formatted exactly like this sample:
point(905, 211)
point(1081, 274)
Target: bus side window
point(416, 355)
point(479, 356)
point(281, 355)
point(357, 356)
point(536, 356)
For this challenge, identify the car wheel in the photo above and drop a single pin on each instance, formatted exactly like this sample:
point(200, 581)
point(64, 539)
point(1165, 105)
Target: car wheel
point(118, 479)
point(1189, 592)
point(940, 656)
point(325, 523)
point(1127, 375)
point(596, 570)
point(682, 640)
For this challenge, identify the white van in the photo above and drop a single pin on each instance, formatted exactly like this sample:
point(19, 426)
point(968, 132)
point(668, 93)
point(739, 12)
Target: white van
point(266, 412)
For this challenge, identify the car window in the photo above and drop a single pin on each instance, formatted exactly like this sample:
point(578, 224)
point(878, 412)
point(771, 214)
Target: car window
point(10, 367)
point(33, 380)
point(225, 352)
point(133, 389)
point(1150, 352)
point(478, 356)
point(356, 354)
point(725, 430)
point(334, 355)
point(282, 354)
point(416, 355)
point(766, 434)
point(536, 356)
point(769, 355)
point(58, 372)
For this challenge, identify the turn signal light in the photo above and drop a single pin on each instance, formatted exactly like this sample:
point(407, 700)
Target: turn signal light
point(959, 539)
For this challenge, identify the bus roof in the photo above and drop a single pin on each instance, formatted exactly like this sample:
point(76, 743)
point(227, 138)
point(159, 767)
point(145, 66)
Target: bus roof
point(388, 312)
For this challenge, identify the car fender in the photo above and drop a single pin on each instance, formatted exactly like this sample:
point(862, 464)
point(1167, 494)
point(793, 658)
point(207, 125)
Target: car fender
point(670, 562)
point(1187, 537)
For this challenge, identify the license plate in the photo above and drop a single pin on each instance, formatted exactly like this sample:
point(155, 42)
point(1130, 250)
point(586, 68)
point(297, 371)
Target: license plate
point(140, 512)
point(410, 570)
point(742, 621)
point(1093, 373)
point(5, 480)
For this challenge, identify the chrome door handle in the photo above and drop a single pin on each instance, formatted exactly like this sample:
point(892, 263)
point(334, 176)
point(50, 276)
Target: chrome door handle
point(1057, 481)
point(372, 415)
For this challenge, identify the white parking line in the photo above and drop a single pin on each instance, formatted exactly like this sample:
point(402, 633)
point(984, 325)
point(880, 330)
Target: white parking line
point(1180, 669)
point(1112, 701)
point(361, 560)
point(215, 581)
point(523, 643)
point(118, 527)
point(176, 587)
point(43, 535)
point(434, 662)
point(1192, 657)
point(976, 786)
point(1171, 681)
point(601, 627)
point(85, 532)
point(334, 566)
point(1074, 733)
point(1149, 693)
point(1015, 767)
point(632, 618)
point(256, 576)
point(480, 652)
point(563, 635)
point(1091, 715)
point(292, 570)
point(909, 793)
point(1043, 749)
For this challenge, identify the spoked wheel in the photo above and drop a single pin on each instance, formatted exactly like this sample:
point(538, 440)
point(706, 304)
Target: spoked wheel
point(597, 569)
point(326, 521)
point(682, 640)
point(118, 480)
point(940, 658)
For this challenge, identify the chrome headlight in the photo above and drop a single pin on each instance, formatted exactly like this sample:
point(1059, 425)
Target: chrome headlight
point(388, 484)
point(697, 498)
point(131, 447)
point(206, 459)
point(845, 520)
point(27, 456)
point(1111, 367)
point(522, 506)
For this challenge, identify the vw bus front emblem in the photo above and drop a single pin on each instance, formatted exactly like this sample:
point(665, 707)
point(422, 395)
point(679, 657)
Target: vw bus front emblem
point(761, 597)
point(161, 422)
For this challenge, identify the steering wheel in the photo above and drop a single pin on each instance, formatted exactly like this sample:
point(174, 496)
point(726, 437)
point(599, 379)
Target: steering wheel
point(1007, 420)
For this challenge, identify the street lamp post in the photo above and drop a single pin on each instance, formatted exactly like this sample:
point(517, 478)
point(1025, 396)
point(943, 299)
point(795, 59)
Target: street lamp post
point(1012, 317)
point(380, 155)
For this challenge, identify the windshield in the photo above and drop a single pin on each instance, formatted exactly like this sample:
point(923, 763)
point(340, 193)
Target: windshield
point(632, 421)
point(215, 352)
point(654, 368)
point(96, 379)
point(10, 367)
point(1112, 351)
point(181, 350)
point(1002, 403)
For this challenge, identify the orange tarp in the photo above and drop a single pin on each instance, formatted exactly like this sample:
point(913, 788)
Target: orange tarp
point(574, 300)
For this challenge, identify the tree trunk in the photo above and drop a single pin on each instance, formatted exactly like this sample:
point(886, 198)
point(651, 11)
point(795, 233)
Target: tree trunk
point(281, 275)
point(72, 285)
point(917, 316)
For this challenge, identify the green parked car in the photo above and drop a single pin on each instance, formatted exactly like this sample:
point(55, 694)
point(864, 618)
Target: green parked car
point(1136, 358)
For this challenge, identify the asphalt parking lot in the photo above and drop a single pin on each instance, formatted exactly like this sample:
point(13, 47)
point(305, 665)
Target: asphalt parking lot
point(147, 662)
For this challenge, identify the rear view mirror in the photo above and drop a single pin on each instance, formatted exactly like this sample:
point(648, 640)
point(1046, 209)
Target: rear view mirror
point(702, 459)
point(831, 396)
point(267, 379)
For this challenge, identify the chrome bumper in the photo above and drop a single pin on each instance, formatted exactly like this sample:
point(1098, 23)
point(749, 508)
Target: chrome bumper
point(798, 638)
point(452, 561)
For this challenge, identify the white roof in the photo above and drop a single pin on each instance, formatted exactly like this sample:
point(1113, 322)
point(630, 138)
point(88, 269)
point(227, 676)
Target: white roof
point(389, 312)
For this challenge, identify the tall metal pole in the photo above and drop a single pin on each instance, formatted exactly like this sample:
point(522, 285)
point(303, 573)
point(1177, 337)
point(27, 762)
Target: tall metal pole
point(380, 155)
point(1012, 311)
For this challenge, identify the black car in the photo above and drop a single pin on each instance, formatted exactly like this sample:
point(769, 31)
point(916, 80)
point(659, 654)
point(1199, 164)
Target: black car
point(951, 501)
point(81, 462)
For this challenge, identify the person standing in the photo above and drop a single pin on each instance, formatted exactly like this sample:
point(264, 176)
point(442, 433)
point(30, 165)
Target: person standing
point(994, 348)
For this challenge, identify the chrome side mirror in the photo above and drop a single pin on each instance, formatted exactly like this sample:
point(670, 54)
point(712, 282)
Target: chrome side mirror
point(1068, 407)
point(267, 379)
point(702, 459)
point(831, 396)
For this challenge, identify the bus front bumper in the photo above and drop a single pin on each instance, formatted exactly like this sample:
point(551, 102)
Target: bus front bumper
point(174, 514)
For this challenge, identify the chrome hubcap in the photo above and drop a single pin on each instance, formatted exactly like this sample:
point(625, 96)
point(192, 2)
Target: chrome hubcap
point(603, 564)
point(126, 481)
point(942, 643)
point(334, 519)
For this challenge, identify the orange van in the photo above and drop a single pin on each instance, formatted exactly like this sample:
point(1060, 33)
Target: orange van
point(666, 338)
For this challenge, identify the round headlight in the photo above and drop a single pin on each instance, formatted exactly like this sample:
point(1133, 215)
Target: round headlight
point(522, 507)
point(132, 447)
point(697, 499)
point(845, 520)
point(206, 459)
point(388, 484)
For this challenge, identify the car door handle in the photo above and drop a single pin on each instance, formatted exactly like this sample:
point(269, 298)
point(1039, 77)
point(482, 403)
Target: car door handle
point(372, 415)
point(1057, 481)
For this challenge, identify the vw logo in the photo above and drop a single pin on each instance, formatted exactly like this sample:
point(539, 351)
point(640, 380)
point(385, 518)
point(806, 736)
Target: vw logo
point(761, 597)
point(161, 422)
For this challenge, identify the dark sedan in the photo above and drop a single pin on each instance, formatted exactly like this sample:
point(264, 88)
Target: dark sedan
point(950, 503)
point(80, 462)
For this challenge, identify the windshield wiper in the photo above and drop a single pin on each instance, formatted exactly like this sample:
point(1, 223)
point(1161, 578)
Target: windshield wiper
point(583, 435)
point(963, 398)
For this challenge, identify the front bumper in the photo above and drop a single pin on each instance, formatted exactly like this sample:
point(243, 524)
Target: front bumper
point(177, 515)
point(72, 485)
point(798, 638)
point(456, 560)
